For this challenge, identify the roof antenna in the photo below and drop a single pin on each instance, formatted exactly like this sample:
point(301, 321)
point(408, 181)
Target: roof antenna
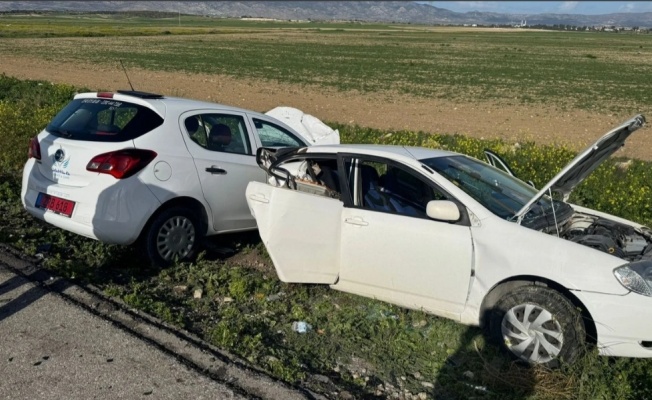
point(125, 70)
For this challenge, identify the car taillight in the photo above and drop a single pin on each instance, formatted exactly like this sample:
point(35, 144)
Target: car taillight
point(34, 149)
point(107, 95)
point(122, 163)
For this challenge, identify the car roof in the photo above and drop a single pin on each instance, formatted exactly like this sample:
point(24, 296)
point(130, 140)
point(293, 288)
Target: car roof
point(183, 104)
point(174, 104)
point(389, 151)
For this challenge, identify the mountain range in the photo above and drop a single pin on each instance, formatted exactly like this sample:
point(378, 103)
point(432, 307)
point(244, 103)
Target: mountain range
point(371, 11)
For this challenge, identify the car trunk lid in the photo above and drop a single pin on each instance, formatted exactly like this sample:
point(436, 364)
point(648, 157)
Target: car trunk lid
point(64, 161)
point(93, 124)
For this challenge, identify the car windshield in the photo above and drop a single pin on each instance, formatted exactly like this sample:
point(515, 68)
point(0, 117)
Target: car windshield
point(499, 192)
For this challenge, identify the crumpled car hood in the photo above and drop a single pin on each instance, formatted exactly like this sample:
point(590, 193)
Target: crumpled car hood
point(586, 162)
point(308, 126)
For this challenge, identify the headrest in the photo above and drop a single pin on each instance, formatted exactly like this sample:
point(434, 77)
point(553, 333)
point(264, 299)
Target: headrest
point(220, 135)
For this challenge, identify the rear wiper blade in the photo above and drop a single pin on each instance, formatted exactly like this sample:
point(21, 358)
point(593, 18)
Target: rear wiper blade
point(61, 132)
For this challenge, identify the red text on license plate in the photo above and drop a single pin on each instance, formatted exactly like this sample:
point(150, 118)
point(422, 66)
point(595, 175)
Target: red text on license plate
point(55, 204)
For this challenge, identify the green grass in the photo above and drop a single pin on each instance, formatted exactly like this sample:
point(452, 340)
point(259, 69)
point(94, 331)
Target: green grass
point(361, 345)
point(50, 25)
point(589, 70)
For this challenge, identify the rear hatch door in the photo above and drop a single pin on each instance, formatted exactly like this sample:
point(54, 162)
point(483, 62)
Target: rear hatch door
point(90, 125)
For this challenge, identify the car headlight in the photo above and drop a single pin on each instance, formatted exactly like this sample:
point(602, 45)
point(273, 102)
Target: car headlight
point(636, 276)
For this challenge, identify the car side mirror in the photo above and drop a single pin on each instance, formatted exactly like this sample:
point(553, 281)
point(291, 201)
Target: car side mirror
point(443, 210)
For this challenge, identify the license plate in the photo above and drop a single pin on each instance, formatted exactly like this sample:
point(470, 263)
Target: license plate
point(55, 204)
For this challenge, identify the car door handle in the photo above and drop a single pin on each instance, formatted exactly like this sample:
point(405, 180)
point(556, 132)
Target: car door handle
point(356, 221)
point(216, 170)
point(259, 197)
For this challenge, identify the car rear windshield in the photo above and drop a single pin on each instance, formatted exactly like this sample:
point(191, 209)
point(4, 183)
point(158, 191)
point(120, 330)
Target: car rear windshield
point(103, 120)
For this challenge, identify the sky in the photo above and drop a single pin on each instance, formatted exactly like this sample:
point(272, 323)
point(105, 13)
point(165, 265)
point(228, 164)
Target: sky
point(539, 7)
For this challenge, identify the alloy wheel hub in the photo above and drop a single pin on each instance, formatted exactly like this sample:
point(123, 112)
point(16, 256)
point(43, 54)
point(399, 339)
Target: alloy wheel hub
point(175, 238)
point(532, 333)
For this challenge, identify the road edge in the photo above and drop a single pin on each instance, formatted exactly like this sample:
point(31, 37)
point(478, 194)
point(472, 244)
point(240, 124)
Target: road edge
point(187, 348)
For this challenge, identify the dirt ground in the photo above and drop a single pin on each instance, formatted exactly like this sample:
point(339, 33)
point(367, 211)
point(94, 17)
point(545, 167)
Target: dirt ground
point(543, 124)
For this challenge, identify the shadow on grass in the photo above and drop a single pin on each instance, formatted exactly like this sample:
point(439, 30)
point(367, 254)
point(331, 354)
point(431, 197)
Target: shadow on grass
point(478, 370)
point(129, 263)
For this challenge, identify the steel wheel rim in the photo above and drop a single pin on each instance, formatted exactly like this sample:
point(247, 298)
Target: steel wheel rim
point(175, 238)
point(532, 333)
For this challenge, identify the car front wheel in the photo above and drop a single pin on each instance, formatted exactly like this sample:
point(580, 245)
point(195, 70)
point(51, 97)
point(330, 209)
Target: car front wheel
point(173, 235)
point(538, 325)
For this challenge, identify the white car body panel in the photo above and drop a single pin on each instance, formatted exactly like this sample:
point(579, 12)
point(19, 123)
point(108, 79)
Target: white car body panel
point(504, 251)
point(71, 171)
point(116, 210)
point(622, 322)
point(434, 274)
point(230, 213)
point(102, 210)
point(288, 222)
point(394, 262)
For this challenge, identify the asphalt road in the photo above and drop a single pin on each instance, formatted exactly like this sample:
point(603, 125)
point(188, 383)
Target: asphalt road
point(61, 341)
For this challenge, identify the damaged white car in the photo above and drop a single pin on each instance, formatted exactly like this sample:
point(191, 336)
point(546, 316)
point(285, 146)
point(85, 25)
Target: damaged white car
point(118, 167)
point(456, 237)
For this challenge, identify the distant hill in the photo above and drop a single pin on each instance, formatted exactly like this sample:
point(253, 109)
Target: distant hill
point(378, 11)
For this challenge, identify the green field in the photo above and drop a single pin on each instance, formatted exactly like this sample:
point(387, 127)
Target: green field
point(589, 70)
point(366, 347)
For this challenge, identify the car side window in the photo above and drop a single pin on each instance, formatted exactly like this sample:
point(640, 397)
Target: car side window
point(386, 187)
point(274, 136)
point(318, 176)
point(219, 132)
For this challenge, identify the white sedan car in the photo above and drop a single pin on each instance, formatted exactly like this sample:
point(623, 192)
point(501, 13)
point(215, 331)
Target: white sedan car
point(443, 232)
point(118, 167)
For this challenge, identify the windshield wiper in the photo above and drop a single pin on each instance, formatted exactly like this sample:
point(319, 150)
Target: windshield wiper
point(61, 132)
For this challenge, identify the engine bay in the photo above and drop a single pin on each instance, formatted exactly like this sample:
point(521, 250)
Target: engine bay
point(608, 236)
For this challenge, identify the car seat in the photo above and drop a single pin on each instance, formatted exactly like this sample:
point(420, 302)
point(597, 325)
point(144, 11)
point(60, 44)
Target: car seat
point(398, 196)
point(219, 137)
point(329, 177)
point(192, 124)
point(372, 197)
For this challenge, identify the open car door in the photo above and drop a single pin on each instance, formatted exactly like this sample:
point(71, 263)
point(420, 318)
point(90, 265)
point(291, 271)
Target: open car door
point(300, 230)
point(497, 161)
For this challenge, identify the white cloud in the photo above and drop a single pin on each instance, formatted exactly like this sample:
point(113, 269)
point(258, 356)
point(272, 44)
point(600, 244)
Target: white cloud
point(568, 6)
point(627, 7)
point(476, 5)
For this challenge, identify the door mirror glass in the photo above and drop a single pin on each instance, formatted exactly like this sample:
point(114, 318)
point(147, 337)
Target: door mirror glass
point(443, 210)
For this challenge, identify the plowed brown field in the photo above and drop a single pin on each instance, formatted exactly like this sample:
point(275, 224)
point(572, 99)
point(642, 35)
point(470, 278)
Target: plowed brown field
point(387, 110)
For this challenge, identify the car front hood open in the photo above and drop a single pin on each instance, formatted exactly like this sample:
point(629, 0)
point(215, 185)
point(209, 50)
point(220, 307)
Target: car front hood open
point(585, 162)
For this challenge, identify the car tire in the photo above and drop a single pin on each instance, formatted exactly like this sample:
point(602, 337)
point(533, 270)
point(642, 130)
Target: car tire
point(538, 325)
point(173, 235)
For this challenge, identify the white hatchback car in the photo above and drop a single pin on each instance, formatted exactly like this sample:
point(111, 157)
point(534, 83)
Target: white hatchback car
point(456, 237)
point(121, 166)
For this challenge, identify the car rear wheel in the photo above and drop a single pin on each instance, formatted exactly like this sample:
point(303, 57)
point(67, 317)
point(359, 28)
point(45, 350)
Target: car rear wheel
point(172, 236)
point(538, 325)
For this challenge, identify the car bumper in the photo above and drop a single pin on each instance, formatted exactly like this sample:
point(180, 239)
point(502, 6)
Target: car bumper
point(108, 210)
point(623, 323)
